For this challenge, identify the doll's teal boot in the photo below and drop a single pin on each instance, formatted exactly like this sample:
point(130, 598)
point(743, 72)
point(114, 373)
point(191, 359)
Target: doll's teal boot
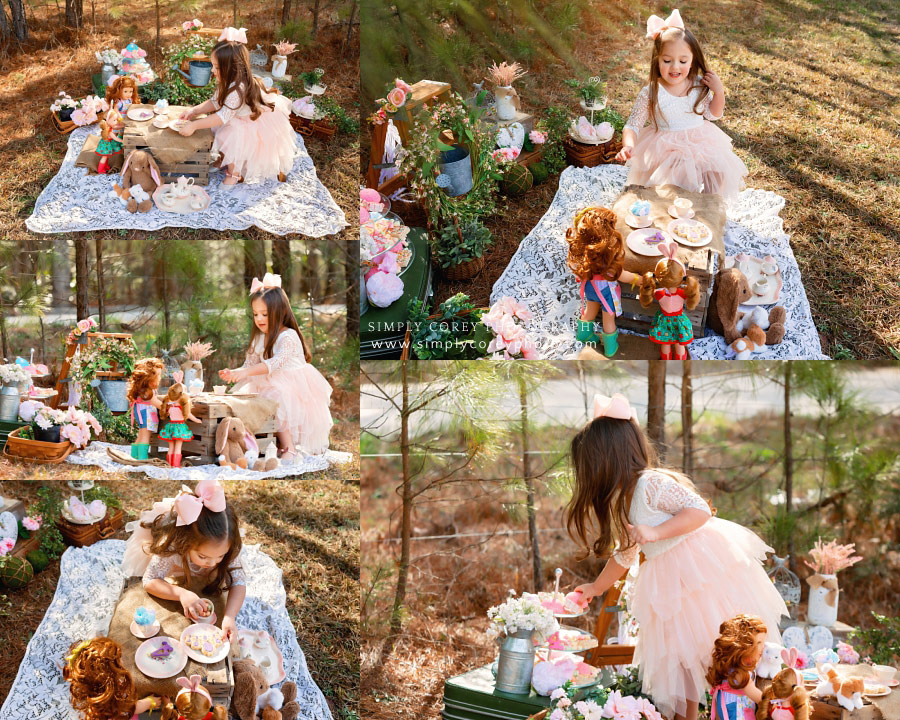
point(136, 451)
point(610, 343)
point(585, 332)
point(140, 451)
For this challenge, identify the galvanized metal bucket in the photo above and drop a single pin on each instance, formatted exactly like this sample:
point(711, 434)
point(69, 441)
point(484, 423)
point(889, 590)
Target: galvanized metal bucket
point(112, 393)
point(9, 403)
point(515, 663)
point(456, 165)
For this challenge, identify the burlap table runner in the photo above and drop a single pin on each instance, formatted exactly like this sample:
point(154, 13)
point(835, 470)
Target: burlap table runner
point(709, 209)
point(172, 622)
point(254, 411)
point(167, 146)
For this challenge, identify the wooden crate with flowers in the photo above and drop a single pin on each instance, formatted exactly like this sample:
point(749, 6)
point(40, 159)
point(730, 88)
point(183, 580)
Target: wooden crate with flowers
point(51, 435)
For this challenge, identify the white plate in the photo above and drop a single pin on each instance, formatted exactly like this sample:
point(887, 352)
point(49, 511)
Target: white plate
point(274, 672)
point(685, 241)
point(199, 656)
point(67, 514)
point(876, 690)
point(632, 221)
point(673, 211)
point(140, 113)
point(635, 242)
point(154, 668)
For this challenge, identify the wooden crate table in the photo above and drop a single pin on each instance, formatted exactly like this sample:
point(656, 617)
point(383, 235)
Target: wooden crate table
point(176, 155)
point(700, 262)
point(210, 410)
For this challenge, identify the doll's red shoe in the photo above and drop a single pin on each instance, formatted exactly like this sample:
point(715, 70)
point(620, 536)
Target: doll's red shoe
point(665, 356)
point(176, 461)
point(169, 458)
point(103, 165)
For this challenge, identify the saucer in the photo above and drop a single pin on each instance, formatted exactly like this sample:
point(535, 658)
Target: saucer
point(632, 221)
point(139, 632)
point(673, 211)
point(161, 121)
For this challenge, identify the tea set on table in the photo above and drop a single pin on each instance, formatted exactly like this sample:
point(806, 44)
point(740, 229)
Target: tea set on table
point(182, 196)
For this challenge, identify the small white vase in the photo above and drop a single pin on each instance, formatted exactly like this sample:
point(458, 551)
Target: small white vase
point(505, 102)
point(818, 611)
point(279, 66)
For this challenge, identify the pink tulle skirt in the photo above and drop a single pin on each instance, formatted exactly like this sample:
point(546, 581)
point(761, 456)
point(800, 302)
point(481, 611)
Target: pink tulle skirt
point(698, 160)
point(682, 596)
point(303, 396)
point(259, 149)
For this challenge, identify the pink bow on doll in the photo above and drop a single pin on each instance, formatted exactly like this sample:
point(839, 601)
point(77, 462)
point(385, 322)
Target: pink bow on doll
point(235, 35)
point(193, 686)
point(790, 659)
point(269, 281)
point(655, 24)
point(188, 505)
point(670, 250)
point(616, 407)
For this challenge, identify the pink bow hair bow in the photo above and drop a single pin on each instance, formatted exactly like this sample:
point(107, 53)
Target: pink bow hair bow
point(616, 407)
point(192, 686)
point(670, 250)
point(188, 505)
point(655, 24)
point(269, 281)
point(235, 35)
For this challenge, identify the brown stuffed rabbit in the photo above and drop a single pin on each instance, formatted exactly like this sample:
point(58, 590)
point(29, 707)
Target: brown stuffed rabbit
point(140, 178)
point(252, 690)
point(784, 699)
point(230, 443)
point(730, 290)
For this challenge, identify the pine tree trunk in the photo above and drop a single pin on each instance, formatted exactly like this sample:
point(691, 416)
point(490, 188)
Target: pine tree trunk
point(82, 280)
point(656, 405)
point(788, 460)
point(315, 27)
point(74, 13)
point(281, 263)
point(351, 273)
point(536, 573)
point(254, 259)
point(101, 302)
point(62, 272)
point(687, 419)
point(3, 339)
point(349, 26)
point(5, 29)
point(19, 21)
point(286, 12)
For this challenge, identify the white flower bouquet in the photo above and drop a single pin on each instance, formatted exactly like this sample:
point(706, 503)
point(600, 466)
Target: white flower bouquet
point(12, 374)
point(109, 57)
point(522, 613)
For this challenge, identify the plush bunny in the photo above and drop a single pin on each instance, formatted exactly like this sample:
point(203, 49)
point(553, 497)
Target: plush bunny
point(730, 290)
point(770, 662)
point(785, 698)
point(231, 443)
point(253, 698)
point(139, 171)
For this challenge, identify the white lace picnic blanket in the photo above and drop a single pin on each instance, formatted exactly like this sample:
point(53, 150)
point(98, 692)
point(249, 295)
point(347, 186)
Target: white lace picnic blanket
point(538, 277)
point(89, 583)
point(95, 454)
point(74, 201)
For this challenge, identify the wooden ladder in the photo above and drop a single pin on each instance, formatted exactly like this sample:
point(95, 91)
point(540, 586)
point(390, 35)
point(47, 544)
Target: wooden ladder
point(609, 654)
point(71, 348)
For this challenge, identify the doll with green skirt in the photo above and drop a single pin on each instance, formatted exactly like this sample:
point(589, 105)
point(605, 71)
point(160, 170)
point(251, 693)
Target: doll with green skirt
point(177, 410)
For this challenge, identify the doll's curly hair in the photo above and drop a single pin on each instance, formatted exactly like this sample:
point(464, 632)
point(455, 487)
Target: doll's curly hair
point(145, 371)
point(193, 706)
point(736, 639)
point(595, 246)
point(177, 393)
point(100, 686)
point(114, 90)
point(669, 274)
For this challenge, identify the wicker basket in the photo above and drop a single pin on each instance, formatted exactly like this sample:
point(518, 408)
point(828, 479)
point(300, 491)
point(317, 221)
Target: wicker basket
point(18, 448)
point(464, 271)
point(583, 155)
point(82, 535)
point(63, 127)
point(323, 128)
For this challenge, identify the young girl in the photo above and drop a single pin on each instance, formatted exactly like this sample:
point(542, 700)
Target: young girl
point(681, 146)
point(177, 409)
point(277, 367)
point(192, 535)
point(699, 570)
point(144, 403)
point(253, 134)
point(731, 675)
point(675, 292)
point(100, 686)
point(597, 257)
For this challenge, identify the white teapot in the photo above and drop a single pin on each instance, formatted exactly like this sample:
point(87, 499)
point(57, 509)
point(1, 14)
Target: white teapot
point(183, 186)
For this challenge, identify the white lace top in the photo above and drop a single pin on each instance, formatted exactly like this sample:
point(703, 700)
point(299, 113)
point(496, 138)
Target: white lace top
point(287, 352)
point(162, 567)
point(658, 497)
point(672, 112)
point(233, 107)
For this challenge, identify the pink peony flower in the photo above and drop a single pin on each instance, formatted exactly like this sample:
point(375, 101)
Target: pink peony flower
point(557, 694)
point(397, 97)
point(402, 85)
point(847, 654)
point(6, 545)
point(384, 288)
point(32, 523)
point(537, 137)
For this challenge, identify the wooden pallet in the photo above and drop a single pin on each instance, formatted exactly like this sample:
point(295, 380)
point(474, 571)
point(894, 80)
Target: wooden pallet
point(195, 166)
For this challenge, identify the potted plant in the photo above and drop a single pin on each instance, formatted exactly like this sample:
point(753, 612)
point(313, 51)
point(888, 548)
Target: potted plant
point(311, 81)
point(459, 249)
point(447, 333)
point(106, 364)
point(50, 434)
point(828, 559)
point(505, 96)
point(15, 381)
point(63, 106)
point(521, 620)
point(111, 60)
point(591, 92)
point(283, 48)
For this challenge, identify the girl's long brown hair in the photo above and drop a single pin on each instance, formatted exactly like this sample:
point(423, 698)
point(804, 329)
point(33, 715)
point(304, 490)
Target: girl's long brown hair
point(669, 274)
point(145, 372)
point(177, 393)
point(736, 639)
point(698, 65)
point(235, 75)
point(280, 316)
point(100, 686)
point(193, 706)
point(595, 246)
point(168, 539)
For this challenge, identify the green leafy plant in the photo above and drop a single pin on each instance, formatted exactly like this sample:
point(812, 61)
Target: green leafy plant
point(461, 242)
point(880, 643)
point(556, 124)
point(298, 32)
point(346, 123)
point(172, 87)
point(47, 506)
point(101, 356)
point(311, 78)
point(450, 334)
point(589, 89)
point(117, 429)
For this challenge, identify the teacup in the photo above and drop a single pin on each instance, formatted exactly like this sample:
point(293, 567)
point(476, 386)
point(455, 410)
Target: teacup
point(769, 268)
point(197, 202)
point(683, 206)
point(884, 673)
point(183, 186)
point(167, 197)
point(761, 286)
point(220, 389)
point(265, 663)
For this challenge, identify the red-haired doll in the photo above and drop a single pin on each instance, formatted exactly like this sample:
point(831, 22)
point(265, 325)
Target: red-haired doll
point(120, 94)
point(597, 257)
point(144, 403)
point(99, 685)
point(177, 409)
point(731, 675)
point(669, 285)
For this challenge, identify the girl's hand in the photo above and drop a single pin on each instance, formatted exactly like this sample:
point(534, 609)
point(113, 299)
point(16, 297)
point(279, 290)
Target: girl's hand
point(229, 627)
point(625, 153)
point(232, 375)
point(188, 129)
point(151, 702)
point(588, 591)
point(713, 82)
point(187, 114)
point(191, 604)
point(643, 534)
